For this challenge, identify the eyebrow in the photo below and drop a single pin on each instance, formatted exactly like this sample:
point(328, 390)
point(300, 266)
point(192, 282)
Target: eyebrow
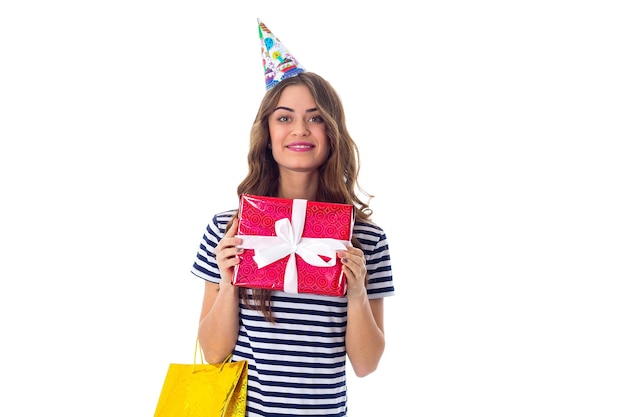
point(291, 110)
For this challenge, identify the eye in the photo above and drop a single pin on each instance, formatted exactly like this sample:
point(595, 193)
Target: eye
point(283, 119)
point(316, 119)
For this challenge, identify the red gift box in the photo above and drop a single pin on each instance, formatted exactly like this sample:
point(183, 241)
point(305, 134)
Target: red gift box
point(291, 245)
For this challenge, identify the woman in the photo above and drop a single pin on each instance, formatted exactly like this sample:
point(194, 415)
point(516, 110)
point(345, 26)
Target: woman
point(296, 344)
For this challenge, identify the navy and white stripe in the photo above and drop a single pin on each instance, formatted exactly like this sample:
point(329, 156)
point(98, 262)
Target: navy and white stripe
point(297, 365)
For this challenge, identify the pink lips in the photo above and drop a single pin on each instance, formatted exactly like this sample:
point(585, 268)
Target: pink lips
point(300, 146)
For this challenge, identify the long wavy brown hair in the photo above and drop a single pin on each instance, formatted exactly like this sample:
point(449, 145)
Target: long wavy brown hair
point(338, 179)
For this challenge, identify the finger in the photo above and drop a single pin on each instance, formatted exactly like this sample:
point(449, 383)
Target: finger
point(348, 261)
point(233, 228)
point(354, 265)
point(228, 258)
point(228, 262)
point(354, 256)
point(229, 239)
point(227, 251)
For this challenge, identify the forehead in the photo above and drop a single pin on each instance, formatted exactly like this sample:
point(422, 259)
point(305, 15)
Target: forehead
point(295, 96)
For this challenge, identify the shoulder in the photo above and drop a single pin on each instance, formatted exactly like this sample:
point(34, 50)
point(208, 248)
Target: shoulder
point(225, 216)
point(372, 237)
point(368, 232)
point(378, 258)
point(221, 219)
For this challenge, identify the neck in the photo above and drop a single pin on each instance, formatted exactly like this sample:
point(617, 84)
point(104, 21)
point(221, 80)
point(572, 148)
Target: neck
point(298, 185)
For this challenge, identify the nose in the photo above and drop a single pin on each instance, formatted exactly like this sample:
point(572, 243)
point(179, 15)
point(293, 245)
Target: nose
point(300, 128)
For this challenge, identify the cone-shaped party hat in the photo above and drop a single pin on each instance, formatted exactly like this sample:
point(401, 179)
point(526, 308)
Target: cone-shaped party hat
point(278, 63)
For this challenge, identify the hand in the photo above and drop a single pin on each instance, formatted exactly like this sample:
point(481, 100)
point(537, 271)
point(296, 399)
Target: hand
point(226, 253)
point(355, 271)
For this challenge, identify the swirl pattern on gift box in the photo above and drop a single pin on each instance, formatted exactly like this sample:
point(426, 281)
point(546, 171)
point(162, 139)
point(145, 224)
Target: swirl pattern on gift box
point(310, 234)
point(326, 221)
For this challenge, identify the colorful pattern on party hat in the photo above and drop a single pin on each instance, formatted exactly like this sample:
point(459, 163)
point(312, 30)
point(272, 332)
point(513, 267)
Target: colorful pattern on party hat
point(278, 63)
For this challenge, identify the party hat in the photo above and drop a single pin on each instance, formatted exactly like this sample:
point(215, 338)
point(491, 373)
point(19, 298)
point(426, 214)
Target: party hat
point(278, 63)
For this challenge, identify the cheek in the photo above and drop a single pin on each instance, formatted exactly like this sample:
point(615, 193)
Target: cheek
point(322, 137)
point(276, 134)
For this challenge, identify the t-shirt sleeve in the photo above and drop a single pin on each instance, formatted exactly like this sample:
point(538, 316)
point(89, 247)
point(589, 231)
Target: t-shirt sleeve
point(378, 259)
point(205, 264)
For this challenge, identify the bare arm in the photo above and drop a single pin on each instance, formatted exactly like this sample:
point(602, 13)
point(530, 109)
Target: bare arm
point(365, 337)
point(219, 318)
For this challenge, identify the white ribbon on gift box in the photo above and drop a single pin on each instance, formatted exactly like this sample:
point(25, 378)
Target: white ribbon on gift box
point(289, 241)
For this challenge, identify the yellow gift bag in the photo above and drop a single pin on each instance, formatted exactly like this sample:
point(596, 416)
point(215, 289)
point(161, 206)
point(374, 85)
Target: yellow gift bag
point(211, 390)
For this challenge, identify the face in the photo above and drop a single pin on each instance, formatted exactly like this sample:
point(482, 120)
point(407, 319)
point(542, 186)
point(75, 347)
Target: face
point(297, 132)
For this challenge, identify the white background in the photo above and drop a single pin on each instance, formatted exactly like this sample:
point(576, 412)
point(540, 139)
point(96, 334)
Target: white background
point(491, 134)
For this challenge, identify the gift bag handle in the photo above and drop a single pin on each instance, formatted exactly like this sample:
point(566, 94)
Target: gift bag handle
point(228, 358)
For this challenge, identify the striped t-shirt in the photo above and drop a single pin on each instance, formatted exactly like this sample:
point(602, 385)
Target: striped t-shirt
point(297, 365)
